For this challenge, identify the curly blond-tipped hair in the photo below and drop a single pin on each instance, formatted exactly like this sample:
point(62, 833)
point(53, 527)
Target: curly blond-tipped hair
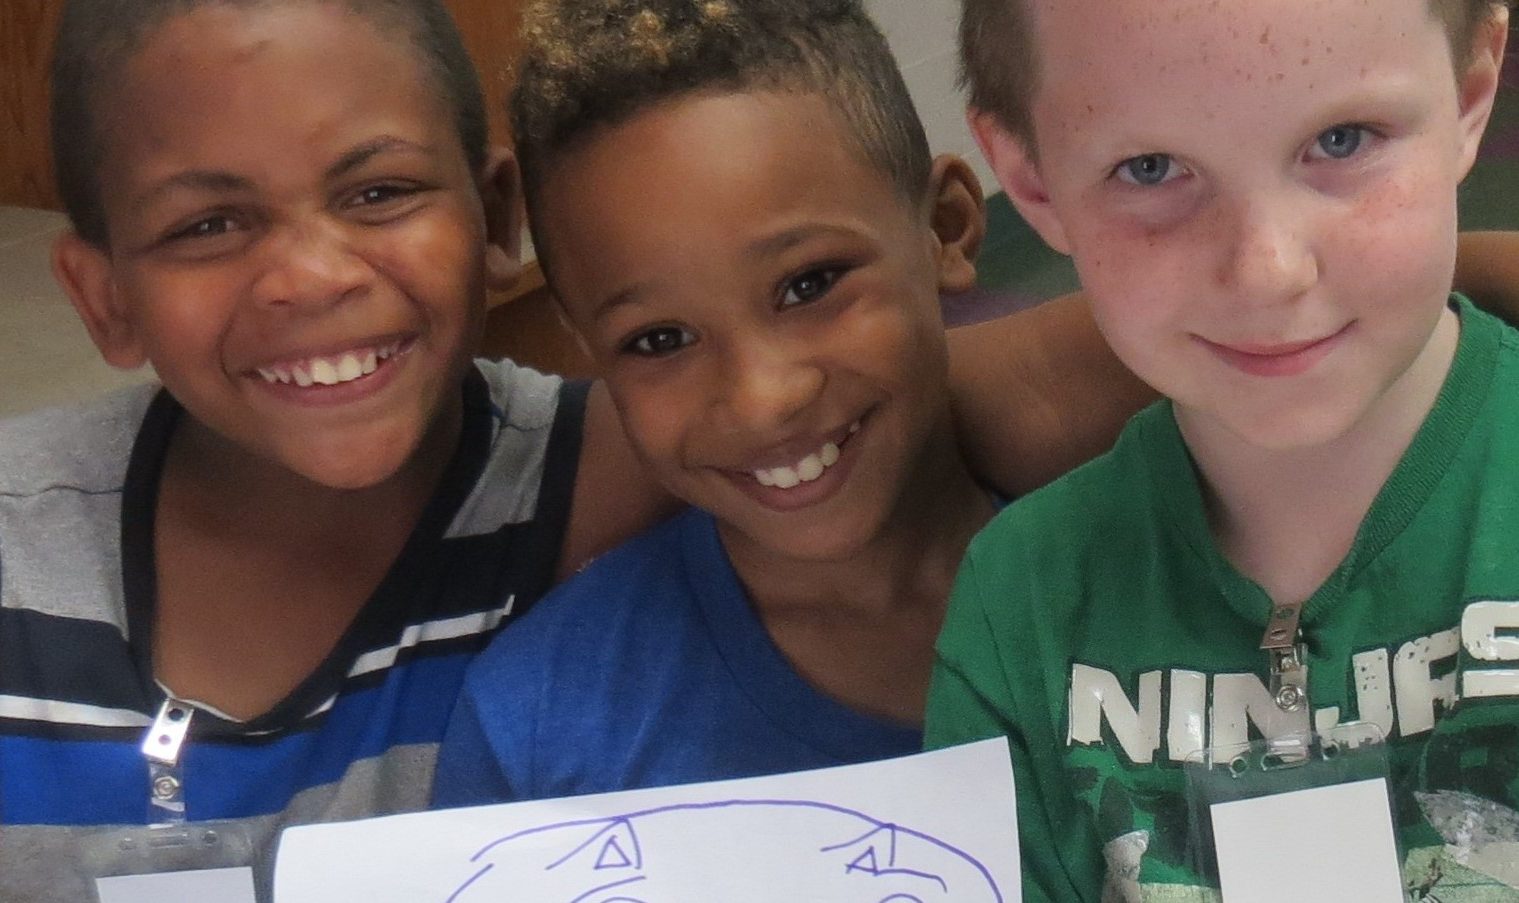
point(589, 64)
point(999, 60)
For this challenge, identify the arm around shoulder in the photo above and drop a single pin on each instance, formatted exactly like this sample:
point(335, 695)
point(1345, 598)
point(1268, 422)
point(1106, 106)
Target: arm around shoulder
point(615, 497)
point(1037, 393)
point(1487, 270)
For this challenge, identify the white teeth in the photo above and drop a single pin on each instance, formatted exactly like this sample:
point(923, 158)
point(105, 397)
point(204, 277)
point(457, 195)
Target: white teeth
point(804, 471)
point(349, 368)
point(323, 372)
point(854, 427)
point(785, 477)
point(330, 371)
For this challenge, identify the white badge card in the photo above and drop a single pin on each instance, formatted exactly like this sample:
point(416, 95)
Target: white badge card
point(228, 885)
point(1320, 845)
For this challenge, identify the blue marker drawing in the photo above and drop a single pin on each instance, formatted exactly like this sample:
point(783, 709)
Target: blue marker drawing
point(783, 849)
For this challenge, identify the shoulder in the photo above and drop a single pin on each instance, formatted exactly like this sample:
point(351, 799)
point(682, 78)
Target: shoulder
point(79, 447)
point(637, 589)
point(1087, 505)
point(527, 414)
point(62, 476)
point(566, 676)
point(521, 397)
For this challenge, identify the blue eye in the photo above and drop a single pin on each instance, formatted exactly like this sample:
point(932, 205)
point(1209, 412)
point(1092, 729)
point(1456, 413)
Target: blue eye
point(809, 286)
point(1147, 169)
point(659, 342)
point(1340, 142)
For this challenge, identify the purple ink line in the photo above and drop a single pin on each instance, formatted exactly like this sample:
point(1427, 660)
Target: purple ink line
point(627, 818)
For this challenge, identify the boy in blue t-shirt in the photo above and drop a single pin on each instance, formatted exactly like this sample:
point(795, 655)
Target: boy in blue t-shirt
point(736, 204)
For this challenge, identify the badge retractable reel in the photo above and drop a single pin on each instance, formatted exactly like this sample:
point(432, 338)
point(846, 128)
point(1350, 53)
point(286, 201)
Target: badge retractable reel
point(170, 857)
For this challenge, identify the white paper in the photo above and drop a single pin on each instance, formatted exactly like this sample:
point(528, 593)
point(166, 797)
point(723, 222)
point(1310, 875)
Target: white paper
point(1320, 845)
point(229, 885)
point(938, 826)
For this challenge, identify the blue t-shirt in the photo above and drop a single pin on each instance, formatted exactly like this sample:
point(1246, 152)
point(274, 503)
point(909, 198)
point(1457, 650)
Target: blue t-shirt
point(649, 668)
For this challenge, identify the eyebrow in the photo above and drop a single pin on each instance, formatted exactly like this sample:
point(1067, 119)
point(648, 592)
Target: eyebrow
point(212, 180)
point(622, 297)
point(193, 180)
point(790, 238)
point(369, 150)
point(765, 246)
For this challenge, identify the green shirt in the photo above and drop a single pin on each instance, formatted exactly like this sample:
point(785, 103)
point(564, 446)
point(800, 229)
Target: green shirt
point(1096, 624)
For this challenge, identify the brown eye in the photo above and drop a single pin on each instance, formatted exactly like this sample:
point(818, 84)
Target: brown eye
point(659, 342)
point(210, 227)
point(809, 286)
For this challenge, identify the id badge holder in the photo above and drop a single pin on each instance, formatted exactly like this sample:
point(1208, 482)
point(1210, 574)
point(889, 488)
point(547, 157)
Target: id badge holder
point(169, 859)
point(1305, 816)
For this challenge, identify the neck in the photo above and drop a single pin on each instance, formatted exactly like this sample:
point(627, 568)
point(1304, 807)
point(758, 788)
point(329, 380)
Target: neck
point(249, 489)
point(860, 626)
point(909, 562)
point(1286, 518)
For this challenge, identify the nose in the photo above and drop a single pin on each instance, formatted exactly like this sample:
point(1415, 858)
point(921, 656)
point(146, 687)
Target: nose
point(311, 264)
point(768, 384)
point(1269, 256)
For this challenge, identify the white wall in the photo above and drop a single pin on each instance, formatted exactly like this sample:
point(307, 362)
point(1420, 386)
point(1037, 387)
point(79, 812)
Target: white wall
point(922, 35)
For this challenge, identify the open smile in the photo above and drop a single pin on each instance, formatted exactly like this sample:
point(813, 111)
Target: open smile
point(810, 467)
point(795, 476)
point(333, 369)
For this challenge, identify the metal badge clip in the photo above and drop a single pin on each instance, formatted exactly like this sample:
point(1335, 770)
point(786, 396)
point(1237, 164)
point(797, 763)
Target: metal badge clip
point(1289, 666)
point(161, 746)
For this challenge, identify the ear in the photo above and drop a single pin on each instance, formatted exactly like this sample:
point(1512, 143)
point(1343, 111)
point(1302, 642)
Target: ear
point(1017, 172)
point(501, 193)
point(958, 219)
point(1478, 85)
point(88, 277)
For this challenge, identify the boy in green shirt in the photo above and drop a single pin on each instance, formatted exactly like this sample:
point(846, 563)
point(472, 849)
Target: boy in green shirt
point(1260, 198)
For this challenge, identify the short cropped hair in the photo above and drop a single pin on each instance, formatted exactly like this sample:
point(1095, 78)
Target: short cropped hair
point(96, 39)
point(591, 64)
point(999, 59)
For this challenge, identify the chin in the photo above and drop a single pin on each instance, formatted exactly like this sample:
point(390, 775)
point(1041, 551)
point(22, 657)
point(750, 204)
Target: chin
point(1294, 430)
point(351, 466)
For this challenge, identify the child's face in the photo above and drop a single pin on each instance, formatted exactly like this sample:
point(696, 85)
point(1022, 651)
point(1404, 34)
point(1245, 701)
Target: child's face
point(295, 236)
point(764, 306)
point(1259, 195)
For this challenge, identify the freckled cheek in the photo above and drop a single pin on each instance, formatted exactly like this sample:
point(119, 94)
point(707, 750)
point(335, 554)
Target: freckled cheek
point(1402, 237)
point(1138, 271)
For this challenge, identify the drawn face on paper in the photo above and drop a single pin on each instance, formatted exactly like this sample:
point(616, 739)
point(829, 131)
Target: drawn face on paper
point(732, 851)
